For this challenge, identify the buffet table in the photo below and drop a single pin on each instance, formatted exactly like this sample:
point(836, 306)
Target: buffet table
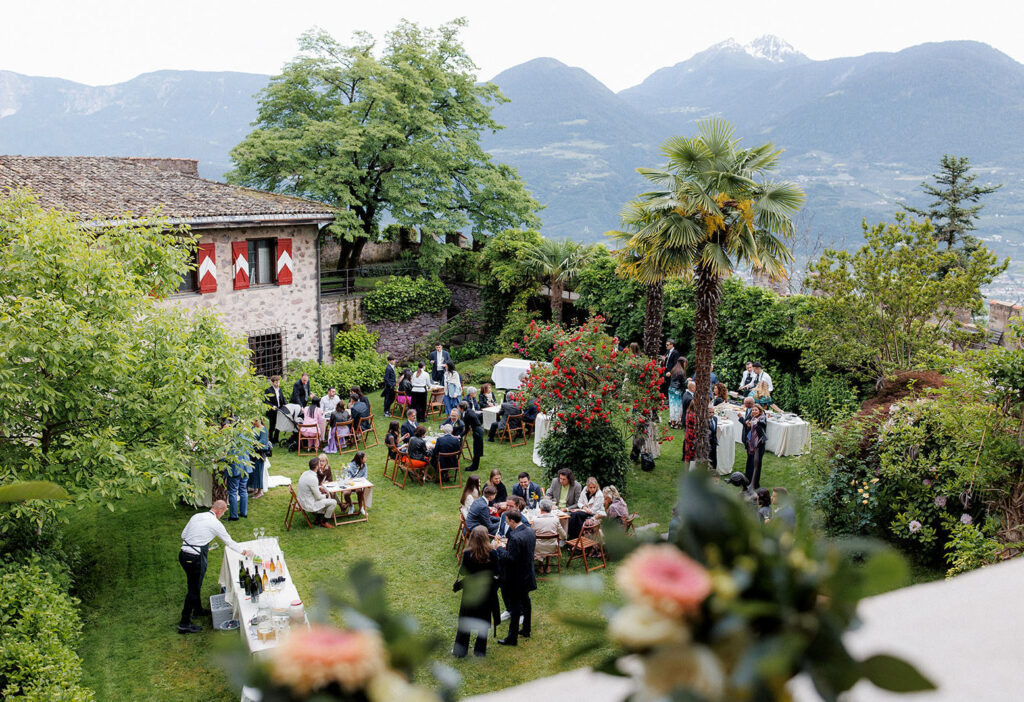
point(244, 608)
point(726, 452)
point(786, 434)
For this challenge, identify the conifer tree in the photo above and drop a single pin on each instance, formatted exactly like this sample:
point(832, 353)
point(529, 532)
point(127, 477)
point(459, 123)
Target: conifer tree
point(952, 213)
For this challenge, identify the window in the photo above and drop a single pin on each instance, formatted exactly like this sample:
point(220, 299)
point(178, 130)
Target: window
point(190, 279)
point(262, 261)
point(267, 346)
point(335, 330)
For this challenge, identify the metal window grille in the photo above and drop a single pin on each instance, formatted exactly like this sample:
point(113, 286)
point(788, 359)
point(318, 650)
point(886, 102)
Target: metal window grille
point(267, 346)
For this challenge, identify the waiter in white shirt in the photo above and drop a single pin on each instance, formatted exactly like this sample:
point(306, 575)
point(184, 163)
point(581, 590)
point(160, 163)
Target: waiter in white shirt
point(747, 382)
point(195, 546)
point(761, 377)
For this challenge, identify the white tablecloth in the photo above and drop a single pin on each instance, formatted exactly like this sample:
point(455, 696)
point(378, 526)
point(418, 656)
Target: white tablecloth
point(726, 445)
point(357, 484)
point(507, 371)
point(540, 430)
point(787, 438)
point(490, 416)
point(244, 610)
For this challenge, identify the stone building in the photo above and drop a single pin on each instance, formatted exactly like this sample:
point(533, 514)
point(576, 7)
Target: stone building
point(257, 262)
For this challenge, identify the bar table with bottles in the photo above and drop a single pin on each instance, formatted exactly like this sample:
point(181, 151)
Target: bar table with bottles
point(262, 593)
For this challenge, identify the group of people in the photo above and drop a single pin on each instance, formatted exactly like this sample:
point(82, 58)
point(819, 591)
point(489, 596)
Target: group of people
point(503, 546)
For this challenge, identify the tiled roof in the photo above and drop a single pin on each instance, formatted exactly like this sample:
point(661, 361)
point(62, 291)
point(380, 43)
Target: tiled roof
point(104, 188)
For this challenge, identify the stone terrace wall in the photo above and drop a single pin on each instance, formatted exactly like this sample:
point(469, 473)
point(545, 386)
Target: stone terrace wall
point(399, 337)
point(465, 297)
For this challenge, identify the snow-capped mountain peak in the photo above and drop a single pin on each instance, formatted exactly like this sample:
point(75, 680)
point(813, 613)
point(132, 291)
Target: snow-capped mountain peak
point(771, 48)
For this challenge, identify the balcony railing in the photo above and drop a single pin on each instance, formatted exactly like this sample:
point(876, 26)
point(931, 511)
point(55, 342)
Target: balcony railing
point(348, 281)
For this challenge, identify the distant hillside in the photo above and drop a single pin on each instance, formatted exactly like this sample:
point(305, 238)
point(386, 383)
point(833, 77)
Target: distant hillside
point(860, 133)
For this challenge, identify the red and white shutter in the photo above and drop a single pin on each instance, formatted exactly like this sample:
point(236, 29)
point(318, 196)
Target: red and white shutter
point(240, 264)
point(284, 261)
point(207, 271)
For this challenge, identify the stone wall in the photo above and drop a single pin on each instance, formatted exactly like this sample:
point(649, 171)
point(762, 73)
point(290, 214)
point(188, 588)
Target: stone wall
point(290, 309)
point(373, 252)
point(399, 337)
point(465, 297)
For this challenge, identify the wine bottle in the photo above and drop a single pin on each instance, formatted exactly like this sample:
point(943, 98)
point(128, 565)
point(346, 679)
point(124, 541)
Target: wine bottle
point(241, 574)
point(280, 566)
point(247, 583)
point(266, 580)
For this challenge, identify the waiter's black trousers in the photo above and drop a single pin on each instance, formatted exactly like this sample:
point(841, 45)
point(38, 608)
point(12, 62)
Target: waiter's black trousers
point(192, 564)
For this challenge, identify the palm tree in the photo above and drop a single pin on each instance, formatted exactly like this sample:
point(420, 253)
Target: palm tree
point(711, 212)
point(558, 263)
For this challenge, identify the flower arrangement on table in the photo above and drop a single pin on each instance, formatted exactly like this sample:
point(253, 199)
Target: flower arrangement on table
point(372, 659)
point(729, 609)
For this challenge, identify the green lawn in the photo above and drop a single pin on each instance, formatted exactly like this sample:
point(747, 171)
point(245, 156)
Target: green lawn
point(132, 587)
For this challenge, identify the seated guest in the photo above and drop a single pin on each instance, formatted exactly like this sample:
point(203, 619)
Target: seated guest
point(454, 421)
point(721, 394)
point(338, 437)
point(312, 415)
point(614, 505)
point(472, 397)
point(513, 503)
point(487, 398)
point(528, 490)
point(549, 532)
point(762, 395)
point(479, 513)
point(530, 412)
point(329, 401)
point(564, 491)
point(588, 511)
point(392, 439)
point(323, 470)
point(359, 409)
point(409, 426)
point(501, 493)
point(509, 412)
point(314, 499)
point(469, 493)
point(782, 506)
point(356, 469)
point(405, 389)
point(446, 443)
point(417, 451)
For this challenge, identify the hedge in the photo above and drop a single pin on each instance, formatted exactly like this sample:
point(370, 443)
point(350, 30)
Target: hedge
point(401, 298)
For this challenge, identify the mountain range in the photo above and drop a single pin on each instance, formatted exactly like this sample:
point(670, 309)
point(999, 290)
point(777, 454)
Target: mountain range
point(859, 133)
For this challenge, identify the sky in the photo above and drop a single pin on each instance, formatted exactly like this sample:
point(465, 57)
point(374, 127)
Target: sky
point(620, 43)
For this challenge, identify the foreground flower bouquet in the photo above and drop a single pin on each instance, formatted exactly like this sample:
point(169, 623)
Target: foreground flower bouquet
point(729, 609)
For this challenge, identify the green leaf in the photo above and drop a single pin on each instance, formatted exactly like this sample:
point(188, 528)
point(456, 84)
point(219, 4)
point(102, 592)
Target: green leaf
point(32, 490)
point(894, 674)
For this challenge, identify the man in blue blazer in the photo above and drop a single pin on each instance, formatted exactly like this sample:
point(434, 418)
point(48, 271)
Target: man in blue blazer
point(480, 512)
point(435, 362)
point(390, 381)
point(518, 577)
point(528, 490)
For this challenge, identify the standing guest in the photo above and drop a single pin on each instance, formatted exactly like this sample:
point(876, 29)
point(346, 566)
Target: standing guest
point(355, 470)
point(509, 410)
point(479, 513)
point(634, 348)
point(761, 377)
point(452, 387)
point(409, 426)
point(479, 606)
point(469, 493)
point(390, 385)
point(324, 474)
point(300, 391)
point(514, 502)
point(437, 360)
point(405, 389)
point(671, 358)
point(528, 490)
point(614, 506)
point(549, 530)
point(691, 388)
point(757, 427)
point(455, 422)
point(564, 491)
point(501, 492)
point(420, 386)
point(418, 453)
point(782, 507)
point(314, 499)
point(518, 577)
point(713, 439)
point(764, 505)
point(338, 436)
point(474, 425)
point(274, 398)
point(744, 417)
point(487, 398)
point(677, 377)
point(721, 394)
point(259, 457)
point(589, 509)
point(329, 402)
point(201, 529)
point(392, 439)
point(690, 442)
point(236, 478)
point(747, 381)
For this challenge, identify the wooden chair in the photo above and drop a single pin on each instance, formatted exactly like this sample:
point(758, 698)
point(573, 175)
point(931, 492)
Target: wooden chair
point(466, 451)
point(348, 443)
point(436, 406)
point(367, 430)
point(394, 464)
point(293, 507)
point(310, 441)
point(509, 432)
point(442, 469)
point(546, 560)
point(529, 428)
point(627, 525)
point(461, 536)
point(587, 541)
point(406, 467)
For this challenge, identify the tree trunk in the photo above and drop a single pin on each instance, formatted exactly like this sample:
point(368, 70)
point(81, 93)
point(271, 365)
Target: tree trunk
point(653, 319)
point(556, 301)
point(705, 329)
point(344, 249)
point(356, 252)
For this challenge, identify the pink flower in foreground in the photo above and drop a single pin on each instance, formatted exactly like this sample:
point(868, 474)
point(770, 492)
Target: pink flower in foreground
point(664, 578)
point(311, 660)
point(914, 526)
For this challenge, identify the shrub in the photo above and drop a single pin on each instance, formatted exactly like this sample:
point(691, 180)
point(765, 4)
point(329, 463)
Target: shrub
point(826, 399)
point(402, 298)
point(599, 451)
point(539, 341)
point(471, 350)
point(41, 629)
point(366, 370)
point(348, 343)
point(518, 316)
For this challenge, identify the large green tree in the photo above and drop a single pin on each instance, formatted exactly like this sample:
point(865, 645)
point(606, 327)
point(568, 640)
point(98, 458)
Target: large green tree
point(955, 208)
point(104, 389)
point(712, 212)
point(887, 306)
point(558, 263)
point(394, 133)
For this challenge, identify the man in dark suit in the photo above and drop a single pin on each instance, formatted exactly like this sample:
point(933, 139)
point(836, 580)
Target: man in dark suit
point(274, 398)
point(390, 381)
point(744, 417)
point(446, 443)
point(359, 409)
point(300, 391)
point(408, 426)
point(671, 358)
point(518, 577)
point(713, 438)
point(479, 513)
point(436, 360)
point(509, 408)
point(475, 425)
